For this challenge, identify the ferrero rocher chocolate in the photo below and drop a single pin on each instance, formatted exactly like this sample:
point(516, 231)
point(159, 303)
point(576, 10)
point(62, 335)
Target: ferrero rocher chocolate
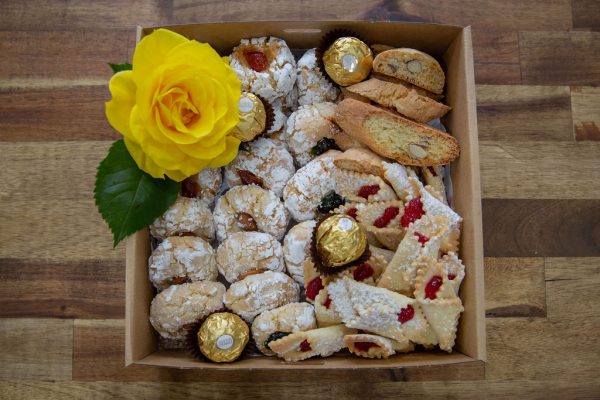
point(253, 117)
point(223, 337)
point(348, 61)
point(340, 240)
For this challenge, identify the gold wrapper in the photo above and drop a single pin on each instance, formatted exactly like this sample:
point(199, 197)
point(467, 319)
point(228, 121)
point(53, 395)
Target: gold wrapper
point(253, 117)
point(340, 240)
point(223, 337)
point(348, 61)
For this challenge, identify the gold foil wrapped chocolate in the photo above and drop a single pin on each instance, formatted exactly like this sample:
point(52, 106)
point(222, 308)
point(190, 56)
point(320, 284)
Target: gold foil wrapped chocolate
point(253, 117)
point(340, 240)
point(223, 337)
point(348, 61)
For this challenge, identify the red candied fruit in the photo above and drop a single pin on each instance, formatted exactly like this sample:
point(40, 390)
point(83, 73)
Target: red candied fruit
point(352, 212)
point(257, 60)
point(364, 346)
point(388, 214)
point(412, 212)
point(362, 272)
point(305, 346)
point(422, 239)
point(314, 287)
point(432, 287)
point(406, 314)
point(190, 187)
point(327, 302)
point(368, 190)
point(451, 277)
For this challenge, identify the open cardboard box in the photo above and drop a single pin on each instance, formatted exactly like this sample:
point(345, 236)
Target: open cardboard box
point(451, 45)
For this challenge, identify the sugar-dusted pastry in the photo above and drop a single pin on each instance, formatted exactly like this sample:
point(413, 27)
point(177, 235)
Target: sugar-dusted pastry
point(315, 342)
point(265, 66)
point(245, 253)
point(260, 292)
point(313, 87)
point(397, 175)
point(405, 98)
point(305, 190)
point(307, 129)
point(433, 177)
point(282, 321)
point(324, 311)
point(174, 310)
point(204, 185)
point(296, 248)
point(386, 254)
point(423, 237)
point(250, 208)
point(380, 311)
point(396, 137)
point(183, 259)
point(382, 219)
point(264, 163)
point(290, 101)
point(185, 216)
point(411, 66)
point(455, 269)
point(279, 116)
point(362, 188)
point(374, 346)
point(359, 160)
point(440, 304)
point(367, 272)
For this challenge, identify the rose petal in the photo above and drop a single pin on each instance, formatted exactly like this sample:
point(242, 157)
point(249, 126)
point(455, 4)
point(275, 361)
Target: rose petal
point(228, 155)
point(123, 89)
point(151, 52)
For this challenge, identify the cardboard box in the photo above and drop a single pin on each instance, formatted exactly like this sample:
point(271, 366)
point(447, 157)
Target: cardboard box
point(449, 44)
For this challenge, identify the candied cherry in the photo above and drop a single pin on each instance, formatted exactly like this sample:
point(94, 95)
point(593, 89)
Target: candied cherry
point(388, 214)
point(422, 239)
point(327, 302)
point(190, 187)
point(451, 277)
point(314, 287)
point(257, 60)
point(432, 287)
point(364, 346)
point(368, 190)
point(305, 346)
point(352, 212)
point(362, 272)
point(406, 314)
point(412, 212)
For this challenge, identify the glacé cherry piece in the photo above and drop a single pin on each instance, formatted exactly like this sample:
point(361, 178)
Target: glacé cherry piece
point(352, 212)
point(365, 346)
point(190, 187)
point(314, 287)
point(412, 212)
point(406, 314)
point(327, 302)
point(388, 214)
point(305, 346)
point(422, 239)
point(362, 272)
point(451, 277)
point(368, 190)
point(257, 60)
point(432, 287)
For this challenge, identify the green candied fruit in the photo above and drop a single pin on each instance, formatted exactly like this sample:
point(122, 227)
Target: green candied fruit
point(323, 145)
point(275, 336)
point(330, 202)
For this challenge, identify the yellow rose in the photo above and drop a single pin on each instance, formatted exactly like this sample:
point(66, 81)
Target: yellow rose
point(176, 106)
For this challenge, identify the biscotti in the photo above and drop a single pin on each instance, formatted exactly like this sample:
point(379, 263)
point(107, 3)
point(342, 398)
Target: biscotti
point(412, 66)
point(395, 137)
point(401, 97)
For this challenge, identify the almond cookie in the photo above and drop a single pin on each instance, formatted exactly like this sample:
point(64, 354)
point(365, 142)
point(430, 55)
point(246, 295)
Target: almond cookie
point(296, 248)
point(362, 161)
point(250, 208)
point(260, 292)
point(316, 342)
point(313, 87)
point(324, 311)
point(265, 163)
point(395, 137)
point(265, 66)
point(204, 185)
point(279, 322)
point(244, 253)
point(412, 66)
point(308, 125)
point(361, 188)
point(404, 98)
point(185, 216)
point(179, 260)
point(373, 346)
point(174, 310)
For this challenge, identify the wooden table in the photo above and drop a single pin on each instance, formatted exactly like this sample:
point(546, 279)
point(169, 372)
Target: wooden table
point(62, 285)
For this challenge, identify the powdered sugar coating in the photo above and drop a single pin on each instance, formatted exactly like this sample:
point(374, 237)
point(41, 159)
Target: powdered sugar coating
point(313, 87)
point(279, 116)
point(275, 81)
point(262, 205)
point(187, 258)
point(266, 159)
point(209, 182)
point(245, 251)
point(261, 292)
point(296, 246)
point(186, 215)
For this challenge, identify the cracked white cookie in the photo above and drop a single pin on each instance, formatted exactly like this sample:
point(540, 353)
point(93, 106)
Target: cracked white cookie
point(313, 87)
point(204, 185)
point(296, 246)
point(316, 342)
point(185, 216)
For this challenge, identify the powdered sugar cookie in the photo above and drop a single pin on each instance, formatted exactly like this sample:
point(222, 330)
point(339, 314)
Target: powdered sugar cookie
point(261, 292)
point(316, 342)
point(265, 66)
point(179, 260)
point(243, 253)
point(265, 163)
point(250, 208)
point(296, 248)
point(362, 188)
point(279, 322)
point(174, 310)
point(290, 101)
point(397, 175)
point(313, 87)
point(185, 216)
point(382, 219)
point(367, 272)
point(204, 185)
point(279, 117)
point(324, 311)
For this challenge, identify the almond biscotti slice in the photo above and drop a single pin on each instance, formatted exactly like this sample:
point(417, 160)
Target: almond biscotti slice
point(412, 66)
point(393, 136)
point(316, 342)
point(400, 97)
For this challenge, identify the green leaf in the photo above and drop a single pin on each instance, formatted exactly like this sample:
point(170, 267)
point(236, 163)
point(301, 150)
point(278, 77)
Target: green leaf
point(128, 198)
point(120, 67)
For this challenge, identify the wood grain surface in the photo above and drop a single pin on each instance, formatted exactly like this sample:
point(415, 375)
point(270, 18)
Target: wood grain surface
point(537, 66)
